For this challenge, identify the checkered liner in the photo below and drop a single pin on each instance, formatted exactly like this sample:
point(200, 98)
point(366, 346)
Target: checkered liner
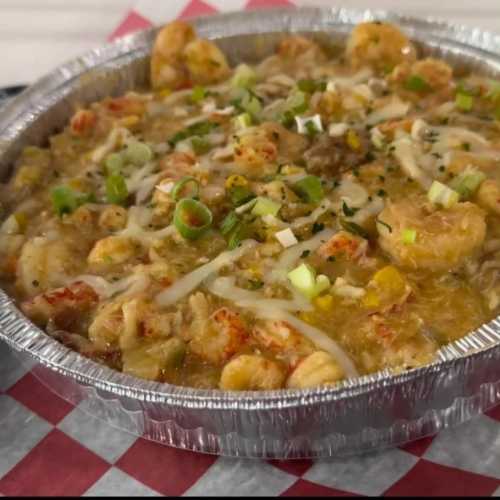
point(49, 447)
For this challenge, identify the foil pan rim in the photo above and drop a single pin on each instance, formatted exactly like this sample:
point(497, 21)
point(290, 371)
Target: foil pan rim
point(21, 334)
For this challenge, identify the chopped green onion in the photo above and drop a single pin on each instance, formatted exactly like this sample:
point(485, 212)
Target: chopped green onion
point(229, 223)
point(138, 153)
point(382, 223)
point(297, 102)
point(198, 94)
point(416, 83)
point(311, 86)
point(304, 279)
point(440, 194)
point(354, 228)
point(310, 189)
point(237, 236)
point(116, 189)
point(464, 102)
point(199, 129)
point(240, 195)
point(192, 218)
point(244, 76)
point(64, 200)
point(287, 119)
point(200, 146)
point(348, 211)
point(251, 104)
point(466, 183)
point(113, 163)
point(244, 120)
point(409, 236)
point(265, 206)
point(181, 184)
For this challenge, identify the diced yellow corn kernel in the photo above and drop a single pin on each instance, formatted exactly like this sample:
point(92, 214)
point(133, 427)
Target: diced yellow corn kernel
point(235, 180)
point(292, 170)
point(164, 93)
point(129, 121)
point(324, 302)
point(390, 279)
point(353, 140)
point(371, 299)
point(21, 220)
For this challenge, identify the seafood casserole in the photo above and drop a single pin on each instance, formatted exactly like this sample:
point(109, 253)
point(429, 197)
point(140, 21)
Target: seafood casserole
point(325, 213)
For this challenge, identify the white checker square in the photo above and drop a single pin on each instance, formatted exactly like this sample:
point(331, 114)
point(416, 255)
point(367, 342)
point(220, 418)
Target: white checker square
point(473, 446)
point(11, 368)
point(20, 431)
point(236, 477)
point(370, 474)
point(116, 483)
point(106, 441)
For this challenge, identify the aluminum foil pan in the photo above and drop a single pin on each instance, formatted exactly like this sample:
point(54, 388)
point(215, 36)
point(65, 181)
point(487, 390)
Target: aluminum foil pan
point(371, 412)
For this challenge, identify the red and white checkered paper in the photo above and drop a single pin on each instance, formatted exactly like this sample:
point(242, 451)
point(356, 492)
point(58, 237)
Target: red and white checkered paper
point(49, 447)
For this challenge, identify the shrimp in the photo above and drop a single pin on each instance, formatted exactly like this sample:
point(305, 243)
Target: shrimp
point(295, 46)
point(113, 218)
point(380, 45)
point(167, 58)
point(435, 72)
point(319, 368)
point(488, 196)
point(251, 372)
point(83, 122)
point(45, 264)
point(62, 305)
point(344, 243)
point(281, 338)
point(112, 250)
point(176, 165)
point(215, 337)
point(444, 237)
point(206, 62)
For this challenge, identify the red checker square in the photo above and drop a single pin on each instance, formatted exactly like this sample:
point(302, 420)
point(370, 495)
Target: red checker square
point(294, 467)
point(133, 22)
point(494, 413)
point(418, 447)
point(40, 399)
point(262, 4)
point(57, 466)
point(169, 471)
point(197, 8)
point(431, 479)
point(303, 488)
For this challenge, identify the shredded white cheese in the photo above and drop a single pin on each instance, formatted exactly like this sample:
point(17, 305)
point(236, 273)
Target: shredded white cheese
point(190, 281)
point(405, 154)
point(310, 219)
point(395, 109)
point(343, 289)
point(136, 283)
point(138, 218)
point(337, 129)
point(116, 137)
point(361, 76)
point(319, 338)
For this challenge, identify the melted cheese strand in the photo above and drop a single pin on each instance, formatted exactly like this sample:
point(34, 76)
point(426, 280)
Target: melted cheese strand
point(192, 280)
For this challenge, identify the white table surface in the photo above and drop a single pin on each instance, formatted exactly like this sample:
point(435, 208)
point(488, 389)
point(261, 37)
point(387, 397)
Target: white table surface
point(37, 35)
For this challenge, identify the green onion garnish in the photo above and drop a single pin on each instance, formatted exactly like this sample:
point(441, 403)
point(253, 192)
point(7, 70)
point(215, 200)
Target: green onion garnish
point(138, 153)
point(199, 129)
point(198, 94)
point(467, 183)
point(441, 194)
point(243, 120)
point(409, 236)
point(179, 186)
point(65, 200)
point(114, 163)
point(116, 189)
point(416, 83)
point(348, 211)
point(200, 146)
point(297, 103)
point(229, 223)
point(192, 218)
point(464, 102)
point(240, 195)
point(265, 206)
point(237, 236)
point(244, 76)
point(311, 86)
point(310, 189)
point(354, 228)
point(304, 279)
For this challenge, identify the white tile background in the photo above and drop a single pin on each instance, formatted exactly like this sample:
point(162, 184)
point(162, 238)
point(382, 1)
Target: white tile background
point(37, 35)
